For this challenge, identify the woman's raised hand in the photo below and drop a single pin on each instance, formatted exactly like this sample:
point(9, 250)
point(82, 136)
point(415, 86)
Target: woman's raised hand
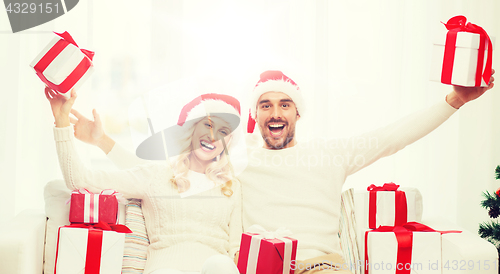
point(90, 132)
point(60, 106)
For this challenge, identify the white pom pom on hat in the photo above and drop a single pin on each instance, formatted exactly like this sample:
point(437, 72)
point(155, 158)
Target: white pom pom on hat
point(273, 81)
point(208, 104)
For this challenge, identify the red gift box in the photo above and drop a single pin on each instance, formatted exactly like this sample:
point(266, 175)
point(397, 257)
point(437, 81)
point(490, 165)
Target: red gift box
point(266, 252)
point(90, 249)
point(87, 207)
point(62, 65)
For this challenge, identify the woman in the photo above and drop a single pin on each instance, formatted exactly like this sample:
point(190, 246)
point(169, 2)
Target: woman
point(198, 233)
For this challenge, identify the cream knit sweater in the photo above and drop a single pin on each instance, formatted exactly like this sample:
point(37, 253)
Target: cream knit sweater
point(300, 187)
point(183, 232)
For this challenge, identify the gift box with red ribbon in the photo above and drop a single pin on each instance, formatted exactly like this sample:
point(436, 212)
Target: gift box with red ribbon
point(462, 55)
point(62, 65)
point(265, 252)
point(87, 207)
point(387, 205)
point(90, 249)
point(409, 248)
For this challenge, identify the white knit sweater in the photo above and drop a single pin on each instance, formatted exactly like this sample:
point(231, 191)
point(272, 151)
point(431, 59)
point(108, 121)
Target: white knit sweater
point(183, 232)
point(300, 187)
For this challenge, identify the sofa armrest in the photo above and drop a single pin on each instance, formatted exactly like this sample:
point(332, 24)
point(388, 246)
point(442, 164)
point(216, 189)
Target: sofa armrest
point(22, 243)
point(465, 252)
point(468, 253)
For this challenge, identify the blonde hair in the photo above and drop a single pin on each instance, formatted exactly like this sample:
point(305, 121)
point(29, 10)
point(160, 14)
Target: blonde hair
point(220, 171)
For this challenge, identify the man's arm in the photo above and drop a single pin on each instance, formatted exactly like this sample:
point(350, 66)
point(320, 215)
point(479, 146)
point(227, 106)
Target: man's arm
point(394, 137)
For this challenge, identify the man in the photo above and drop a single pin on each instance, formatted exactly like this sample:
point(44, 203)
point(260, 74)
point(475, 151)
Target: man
point(298, 185)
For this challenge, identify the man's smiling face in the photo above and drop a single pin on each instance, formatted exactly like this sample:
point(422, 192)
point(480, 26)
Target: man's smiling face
point(276, 117)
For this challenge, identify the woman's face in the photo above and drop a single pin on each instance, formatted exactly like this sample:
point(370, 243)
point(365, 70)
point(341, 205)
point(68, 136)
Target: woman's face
point(207, 135)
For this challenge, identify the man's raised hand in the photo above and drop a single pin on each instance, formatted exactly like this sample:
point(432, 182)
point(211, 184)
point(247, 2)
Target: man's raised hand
point(461, 95)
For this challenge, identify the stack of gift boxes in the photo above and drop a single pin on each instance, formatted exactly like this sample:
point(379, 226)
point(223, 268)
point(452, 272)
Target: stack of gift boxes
point(392, 239)
point(93, 242)
point(389, 233)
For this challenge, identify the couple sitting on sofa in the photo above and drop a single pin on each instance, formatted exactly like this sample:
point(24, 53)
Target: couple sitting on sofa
point(281, 185)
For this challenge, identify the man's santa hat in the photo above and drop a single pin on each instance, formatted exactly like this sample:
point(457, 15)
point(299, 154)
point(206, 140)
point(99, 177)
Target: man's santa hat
point(273, 81)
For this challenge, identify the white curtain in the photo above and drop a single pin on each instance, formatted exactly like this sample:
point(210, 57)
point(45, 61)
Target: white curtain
point(360, 64)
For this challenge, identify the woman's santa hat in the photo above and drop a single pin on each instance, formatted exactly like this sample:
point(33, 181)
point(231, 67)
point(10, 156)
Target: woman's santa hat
point(273, 81)
point(209, 104)
point(223, 106)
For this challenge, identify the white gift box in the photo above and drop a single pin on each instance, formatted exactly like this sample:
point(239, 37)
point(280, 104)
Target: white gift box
point(465, 61)
point(383, 253)
point(465, 253)
point(386, 207)
point(68, 68)
point(385, 210)
point(72, 251)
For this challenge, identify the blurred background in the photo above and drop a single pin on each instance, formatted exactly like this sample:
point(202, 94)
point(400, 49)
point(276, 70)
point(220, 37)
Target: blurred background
point(360, 64)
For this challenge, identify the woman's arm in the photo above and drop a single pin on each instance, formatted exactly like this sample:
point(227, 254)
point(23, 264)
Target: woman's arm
point(92, 132)
point(132, 183)
point(129, 182)
point(123, 158)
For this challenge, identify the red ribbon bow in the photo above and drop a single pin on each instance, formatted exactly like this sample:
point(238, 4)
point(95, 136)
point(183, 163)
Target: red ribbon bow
point(404, 236)
point(66, 36)
point(103, 226)
point(386, 187)
point(401, 211)
point(458, 24)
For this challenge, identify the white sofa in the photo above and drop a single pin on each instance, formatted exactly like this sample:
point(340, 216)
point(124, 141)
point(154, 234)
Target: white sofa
point(27, 245)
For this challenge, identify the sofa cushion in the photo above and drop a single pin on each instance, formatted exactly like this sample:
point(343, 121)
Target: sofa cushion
point(136, 243)
point(347, 232)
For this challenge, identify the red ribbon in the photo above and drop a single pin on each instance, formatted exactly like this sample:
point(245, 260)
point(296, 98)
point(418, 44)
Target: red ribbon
point(66, 36)
point(75, 75)
point(91, 210)
point(458, 24)
point(103, 226)
point(404, 237)
point(401, 208)
point(94, 243)
point(94, 250)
